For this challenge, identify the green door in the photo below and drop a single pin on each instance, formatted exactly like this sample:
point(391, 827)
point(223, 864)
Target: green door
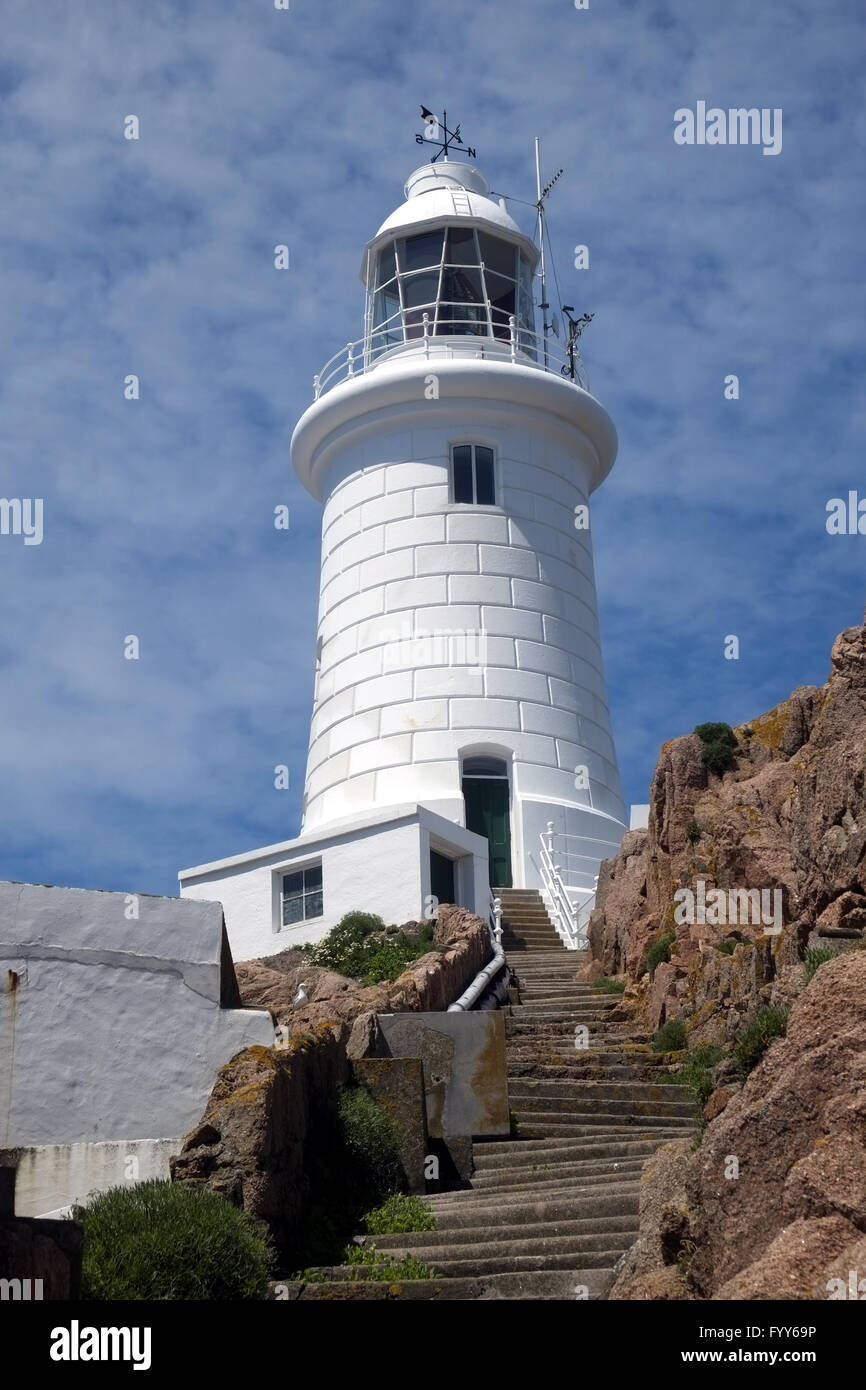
point(486, 801)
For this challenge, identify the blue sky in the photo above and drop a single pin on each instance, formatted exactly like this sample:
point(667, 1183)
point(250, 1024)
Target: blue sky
point(155, 257)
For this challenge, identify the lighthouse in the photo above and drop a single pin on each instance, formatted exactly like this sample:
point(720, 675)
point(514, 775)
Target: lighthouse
point(460, 735)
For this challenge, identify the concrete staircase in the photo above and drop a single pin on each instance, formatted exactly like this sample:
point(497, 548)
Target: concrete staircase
point(551, 1209)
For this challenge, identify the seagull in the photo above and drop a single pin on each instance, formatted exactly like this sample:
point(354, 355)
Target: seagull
point(301, 996)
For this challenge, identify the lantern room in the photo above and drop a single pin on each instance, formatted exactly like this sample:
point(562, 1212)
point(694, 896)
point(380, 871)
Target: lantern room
point(449, 263)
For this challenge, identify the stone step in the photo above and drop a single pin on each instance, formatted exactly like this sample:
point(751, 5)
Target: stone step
point(587, 1110)
point(581, 1248)
point(505, 1264)
point(541, 1201)
point(613, 1226)
point(534, 1071)
point(525, 1286)
point(541, 1179)
point(557, 1154)
point(540, 1127)
point(598, 1090)
point(559, 1179)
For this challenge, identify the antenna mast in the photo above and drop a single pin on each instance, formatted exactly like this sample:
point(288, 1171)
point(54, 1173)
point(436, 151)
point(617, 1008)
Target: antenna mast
point(541, 195)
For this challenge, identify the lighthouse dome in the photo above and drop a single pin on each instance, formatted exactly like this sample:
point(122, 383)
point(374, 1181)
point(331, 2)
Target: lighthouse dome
point(437, 192)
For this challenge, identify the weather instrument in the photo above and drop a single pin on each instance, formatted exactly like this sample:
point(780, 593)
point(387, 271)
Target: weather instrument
point(436, 133)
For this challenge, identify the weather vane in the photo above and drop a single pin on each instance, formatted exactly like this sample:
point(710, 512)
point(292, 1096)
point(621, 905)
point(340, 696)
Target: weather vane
point(435, 130)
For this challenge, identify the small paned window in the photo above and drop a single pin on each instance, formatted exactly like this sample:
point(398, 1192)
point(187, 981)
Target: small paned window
point(302, 895)
point(472, 469)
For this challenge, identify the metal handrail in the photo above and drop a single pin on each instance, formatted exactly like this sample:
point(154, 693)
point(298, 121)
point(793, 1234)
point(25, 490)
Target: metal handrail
point(521, 345)
point(493, 967)
point(571, 922)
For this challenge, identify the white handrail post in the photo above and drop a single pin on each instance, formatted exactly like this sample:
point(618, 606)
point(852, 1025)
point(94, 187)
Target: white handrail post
point(425, 319)
point(316, 387)
point(350, 358)
point(512, 330)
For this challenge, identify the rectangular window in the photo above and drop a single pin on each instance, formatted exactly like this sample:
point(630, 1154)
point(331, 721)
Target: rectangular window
point(472, 469)
point(302, 895)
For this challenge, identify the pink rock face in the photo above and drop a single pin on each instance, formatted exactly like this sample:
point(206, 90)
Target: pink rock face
point(798, 1132)
point(790, 816)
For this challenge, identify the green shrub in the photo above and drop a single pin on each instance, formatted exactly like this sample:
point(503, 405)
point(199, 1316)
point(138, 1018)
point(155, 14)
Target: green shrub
point(659, 951)
point(719, 742)
point(362, 947)
point(164, 1240)
point(728, 947)
point(400, 1212)
point(755, 1037)
point(370, 1164)
point(671, 1037)
point(693, 831)
point(609, 985)
point(815, 956)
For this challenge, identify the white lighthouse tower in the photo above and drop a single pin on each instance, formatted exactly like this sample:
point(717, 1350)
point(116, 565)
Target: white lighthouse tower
point(460, 704)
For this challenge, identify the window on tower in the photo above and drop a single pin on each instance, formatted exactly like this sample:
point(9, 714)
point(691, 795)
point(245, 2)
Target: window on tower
point(302, 895)
point(472, 475)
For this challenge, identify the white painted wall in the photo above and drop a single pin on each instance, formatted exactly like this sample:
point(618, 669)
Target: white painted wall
point(76, 1171)
point(379, 863)
point(111, 1026)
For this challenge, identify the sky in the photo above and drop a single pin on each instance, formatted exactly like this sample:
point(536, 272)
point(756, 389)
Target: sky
point(155, 257)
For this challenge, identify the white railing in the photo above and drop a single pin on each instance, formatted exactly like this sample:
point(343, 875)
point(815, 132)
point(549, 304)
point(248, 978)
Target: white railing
point(506, 342)
point(570, 920)
point(483, 978)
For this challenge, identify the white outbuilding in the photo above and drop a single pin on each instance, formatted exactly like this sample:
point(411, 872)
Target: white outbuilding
point(460, 732)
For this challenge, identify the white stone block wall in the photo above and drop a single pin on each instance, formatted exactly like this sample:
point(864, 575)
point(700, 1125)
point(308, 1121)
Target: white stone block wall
point(399, 560)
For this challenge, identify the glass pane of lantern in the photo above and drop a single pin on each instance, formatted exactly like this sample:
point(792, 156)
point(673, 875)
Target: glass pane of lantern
point(387, 267)
point(500, 292)
point(460, 248)
point(461, 286)
point(421, 289)
point(421, 251)
point(463, 473)
point(484, 476)
point(498, 255)
point(386, 304)
point(461, 302)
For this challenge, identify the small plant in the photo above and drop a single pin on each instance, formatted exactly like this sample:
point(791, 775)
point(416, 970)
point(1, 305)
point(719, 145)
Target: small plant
point(696, 1073)
point(164, 1240)
point(755, 1037)
point(659, 951)
point(693, 831)
point(371, 1263)
point(727, 947)
point(400, 1212)
point(719, 742)
point(609, 985)
point(671, 1037)
point(815, 956)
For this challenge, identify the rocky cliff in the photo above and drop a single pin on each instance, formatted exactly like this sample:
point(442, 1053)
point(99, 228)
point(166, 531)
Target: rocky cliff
point(772, 1204)
point(788, 819)
point(250, 1145)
